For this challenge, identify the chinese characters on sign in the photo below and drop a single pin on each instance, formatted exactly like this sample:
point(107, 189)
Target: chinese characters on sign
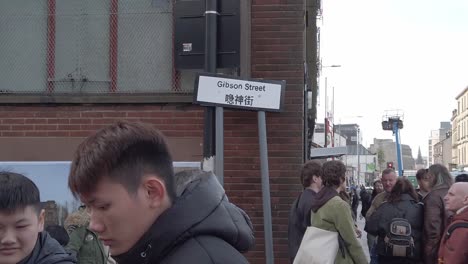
point(246, 100)
point(239, 93)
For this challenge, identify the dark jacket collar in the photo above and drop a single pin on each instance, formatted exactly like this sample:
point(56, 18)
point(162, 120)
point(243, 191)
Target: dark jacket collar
point(202, 208)
point(48, 251)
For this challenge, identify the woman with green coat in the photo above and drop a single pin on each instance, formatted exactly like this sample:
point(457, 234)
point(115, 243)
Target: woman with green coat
point(331, 213)
point(84, 243)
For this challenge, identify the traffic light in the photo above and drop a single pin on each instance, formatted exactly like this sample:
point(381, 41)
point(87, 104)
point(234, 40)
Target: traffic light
point(390, 165)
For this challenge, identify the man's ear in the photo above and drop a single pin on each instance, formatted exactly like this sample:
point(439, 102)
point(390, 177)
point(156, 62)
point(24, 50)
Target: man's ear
point(155, 190)
point(465, 200)
point(314, 178)
point(41, 220)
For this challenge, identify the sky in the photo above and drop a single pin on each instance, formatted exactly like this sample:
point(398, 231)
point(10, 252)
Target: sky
point(51, 178)
point(410, 55)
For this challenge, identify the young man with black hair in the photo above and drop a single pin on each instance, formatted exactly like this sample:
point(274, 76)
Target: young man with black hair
point(300, 212)
point(125, 177)
point(22, 239)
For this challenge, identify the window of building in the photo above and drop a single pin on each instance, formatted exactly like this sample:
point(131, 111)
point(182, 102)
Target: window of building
point(88, 46)
point(94, 47)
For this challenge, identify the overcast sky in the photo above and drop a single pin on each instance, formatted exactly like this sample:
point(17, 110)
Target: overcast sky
point(394, 54)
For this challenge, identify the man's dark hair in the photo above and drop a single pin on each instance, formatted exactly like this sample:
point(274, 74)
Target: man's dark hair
point(461, 178)
point(58, 233)
point(309, 169)
point(388, 171)
point(421, 174)
point(17, 192)
point(402, 186)
point(334, 172)
point(123, 152)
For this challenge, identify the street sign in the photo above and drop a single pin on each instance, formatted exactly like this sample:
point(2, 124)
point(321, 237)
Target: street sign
point(233, 92)
point(258, 95)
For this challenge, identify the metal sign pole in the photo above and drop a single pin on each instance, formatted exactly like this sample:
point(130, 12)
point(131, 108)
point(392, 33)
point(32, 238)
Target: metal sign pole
point(259, 95)
point(219, 162)
point(211, 16)
point(267, 224)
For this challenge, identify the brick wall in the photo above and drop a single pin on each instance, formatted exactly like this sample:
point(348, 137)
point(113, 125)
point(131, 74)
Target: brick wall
point(277, 53)
point(80, 121)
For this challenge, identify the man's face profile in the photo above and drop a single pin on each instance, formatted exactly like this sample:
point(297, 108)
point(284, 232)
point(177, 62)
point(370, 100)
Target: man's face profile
point(119, 218)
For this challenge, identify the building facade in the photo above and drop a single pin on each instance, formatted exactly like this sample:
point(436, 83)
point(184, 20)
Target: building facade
point(443, 152)
point(362, 163)
point(437, 136)
point(338, 139)
point(69, 68)
point(460, 131)
point(386, 152)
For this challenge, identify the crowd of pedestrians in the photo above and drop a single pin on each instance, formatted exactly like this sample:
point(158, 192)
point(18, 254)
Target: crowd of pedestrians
point(404, 225)
point(135, 209)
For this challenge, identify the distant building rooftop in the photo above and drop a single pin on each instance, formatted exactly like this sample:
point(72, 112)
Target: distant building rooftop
point(318, 153)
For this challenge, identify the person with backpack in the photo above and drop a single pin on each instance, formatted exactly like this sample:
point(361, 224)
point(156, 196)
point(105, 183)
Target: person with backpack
point(453, 249)
point(300, 213)
point(398, 225)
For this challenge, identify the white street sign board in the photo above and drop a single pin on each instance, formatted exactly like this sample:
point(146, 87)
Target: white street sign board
point(233, 92)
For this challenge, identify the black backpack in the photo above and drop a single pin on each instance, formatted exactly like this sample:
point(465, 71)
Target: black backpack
point(399, 241)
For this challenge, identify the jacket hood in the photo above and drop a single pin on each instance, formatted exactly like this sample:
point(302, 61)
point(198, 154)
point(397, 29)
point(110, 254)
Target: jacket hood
point(78, 218)
point(48, 251)
point(202, 209)
point(322, 197)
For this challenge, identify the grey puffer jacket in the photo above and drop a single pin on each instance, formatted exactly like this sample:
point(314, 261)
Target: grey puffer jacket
point(201, 227)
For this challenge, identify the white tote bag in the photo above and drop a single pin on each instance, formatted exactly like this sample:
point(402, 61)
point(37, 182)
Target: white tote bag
point(318, 246)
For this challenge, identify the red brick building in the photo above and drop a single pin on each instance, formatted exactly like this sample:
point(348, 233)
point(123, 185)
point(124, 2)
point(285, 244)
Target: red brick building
point(44, 117)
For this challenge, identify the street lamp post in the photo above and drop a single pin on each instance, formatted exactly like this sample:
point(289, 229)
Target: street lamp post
point(358, 158)
point(326, 119)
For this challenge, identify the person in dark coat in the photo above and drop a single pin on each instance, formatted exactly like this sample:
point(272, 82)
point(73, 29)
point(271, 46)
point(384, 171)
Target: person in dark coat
point(59, 233)
point(300, 213)
point(22, 239)
point(365, 201)
point(124, 175)
point(354, 202)
point(436, 215)
point(402, 202)
point(378, 188)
